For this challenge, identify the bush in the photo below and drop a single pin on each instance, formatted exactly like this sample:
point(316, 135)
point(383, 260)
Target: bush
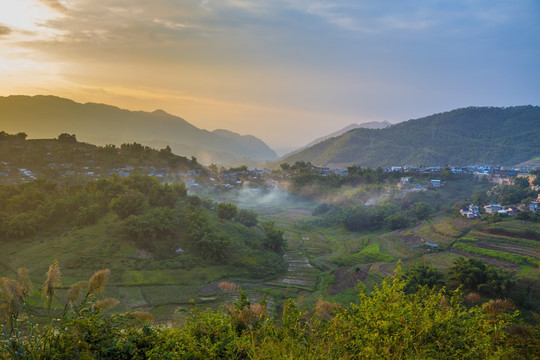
point(226, 211)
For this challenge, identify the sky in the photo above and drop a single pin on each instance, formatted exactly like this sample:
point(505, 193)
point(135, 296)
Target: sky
point(286, 71)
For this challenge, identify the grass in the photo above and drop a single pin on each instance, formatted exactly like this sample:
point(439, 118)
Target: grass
point(513, 258)
point(372, 253)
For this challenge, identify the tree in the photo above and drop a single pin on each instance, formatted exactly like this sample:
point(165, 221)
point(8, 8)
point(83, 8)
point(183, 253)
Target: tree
point(247, 217)
point(480, 198)
point(157, 224)
point(397, 221)
point(422, 210)
point(132, 202)
point(208, 243)
point(419, 275)
point(226, 211)
point(67, 138)
point(474, 275)
point(273, 238)
point(522, 182)
point(21, 136)
point(213, 168)
point(165, 152)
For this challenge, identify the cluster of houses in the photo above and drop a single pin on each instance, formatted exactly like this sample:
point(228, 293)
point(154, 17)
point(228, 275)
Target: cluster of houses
point(472, 211)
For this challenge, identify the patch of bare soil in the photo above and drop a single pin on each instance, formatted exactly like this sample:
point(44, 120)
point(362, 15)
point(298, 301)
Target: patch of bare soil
point(346, 278)
point(408, 238)
point(488, 260)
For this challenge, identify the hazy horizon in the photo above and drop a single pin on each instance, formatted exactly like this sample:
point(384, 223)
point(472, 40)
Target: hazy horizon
point(286, 71)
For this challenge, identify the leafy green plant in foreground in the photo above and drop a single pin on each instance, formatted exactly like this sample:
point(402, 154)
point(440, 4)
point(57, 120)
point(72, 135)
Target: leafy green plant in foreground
point(387, 323)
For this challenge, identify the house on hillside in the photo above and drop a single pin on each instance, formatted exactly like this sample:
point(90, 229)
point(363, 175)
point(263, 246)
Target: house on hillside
point(471, 212)
point(493, 208)
point(511, 210)
point(436, 183)
point(535, 206)
point(404, 181)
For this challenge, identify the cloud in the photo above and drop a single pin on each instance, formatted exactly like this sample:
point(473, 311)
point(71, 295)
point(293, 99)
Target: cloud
point(56, 5)
point(4, 30)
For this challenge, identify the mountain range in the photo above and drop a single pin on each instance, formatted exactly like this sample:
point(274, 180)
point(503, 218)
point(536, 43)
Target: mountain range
point(485, 135)
point(47, 116)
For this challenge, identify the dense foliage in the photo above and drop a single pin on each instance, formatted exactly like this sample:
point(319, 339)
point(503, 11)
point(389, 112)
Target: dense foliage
point(387, 323)
point(155, 217)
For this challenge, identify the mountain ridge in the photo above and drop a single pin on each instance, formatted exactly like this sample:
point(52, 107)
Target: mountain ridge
point(368, 125)
point(47, 115)
point(504, 136)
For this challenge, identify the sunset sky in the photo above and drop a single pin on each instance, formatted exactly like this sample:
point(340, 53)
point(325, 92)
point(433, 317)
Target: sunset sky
point(287, 71)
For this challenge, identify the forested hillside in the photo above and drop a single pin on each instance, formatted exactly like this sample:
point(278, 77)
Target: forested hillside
point(489, 135)
point(66, 159)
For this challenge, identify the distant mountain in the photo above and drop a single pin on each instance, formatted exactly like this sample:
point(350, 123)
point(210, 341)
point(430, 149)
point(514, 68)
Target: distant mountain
point(368, 125)
point(47, 116)
point(489, 135)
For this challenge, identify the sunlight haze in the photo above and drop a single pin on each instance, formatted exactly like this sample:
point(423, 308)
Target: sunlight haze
point(286, 71)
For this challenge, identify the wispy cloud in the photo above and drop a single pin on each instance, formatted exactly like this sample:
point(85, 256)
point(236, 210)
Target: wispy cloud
point(346, 59)
point(55, 4)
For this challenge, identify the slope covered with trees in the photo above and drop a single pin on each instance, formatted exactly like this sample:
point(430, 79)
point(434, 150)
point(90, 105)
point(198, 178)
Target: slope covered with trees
point(489, 135)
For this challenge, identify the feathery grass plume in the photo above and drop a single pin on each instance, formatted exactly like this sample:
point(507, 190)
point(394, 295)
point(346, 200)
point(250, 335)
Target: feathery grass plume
point(472, 298)
point(24, 280)
point(74, 292)
point(499, 306)
point(52, 281)
point(97, 282)
point(106, 304)
point(324, 309)
point(229, 287)
point(141, 316)
point(11, 297)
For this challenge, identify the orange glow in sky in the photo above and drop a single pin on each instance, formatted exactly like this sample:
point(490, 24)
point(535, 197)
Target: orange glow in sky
point(286, 71)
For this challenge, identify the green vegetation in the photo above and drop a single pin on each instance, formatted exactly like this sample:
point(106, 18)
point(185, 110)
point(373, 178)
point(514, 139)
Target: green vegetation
point(149, 233)
point(170, 250)
point(420, 275)
point(386, 323)
point(513, 258)
point(474, 275)
point(459, 137)
point(227, 211)
point(372, 253)
point(74, 163)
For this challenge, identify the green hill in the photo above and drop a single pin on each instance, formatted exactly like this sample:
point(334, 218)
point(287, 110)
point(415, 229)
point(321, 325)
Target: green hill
point(47, 116)
point(163, 246)
point(489, 135)
point(66, 160)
